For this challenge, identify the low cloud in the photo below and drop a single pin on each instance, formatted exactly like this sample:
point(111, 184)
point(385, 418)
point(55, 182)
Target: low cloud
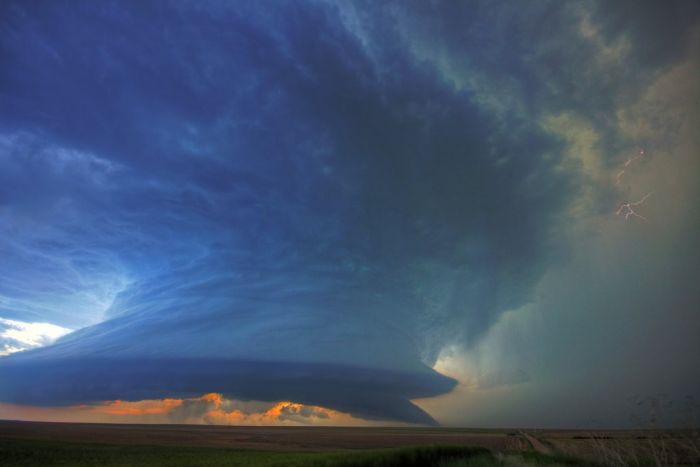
point(209, 409)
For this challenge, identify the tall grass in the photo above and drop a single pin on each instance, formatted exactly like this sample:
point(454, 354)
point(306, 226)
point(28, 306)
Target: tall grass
point(666, 436)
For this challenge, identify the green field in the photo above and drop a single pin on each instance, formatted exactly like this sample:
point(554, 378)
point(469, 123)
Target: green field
point(20, 452)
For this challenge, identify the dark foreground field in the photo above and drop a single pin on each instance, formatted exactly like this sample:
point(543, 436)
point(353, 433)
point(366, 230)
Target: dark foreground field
point(29, 443)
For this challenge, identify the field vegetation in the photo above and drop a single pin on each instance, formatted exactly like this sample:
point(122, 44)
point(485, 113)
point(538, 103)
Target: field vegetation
point(14, 452)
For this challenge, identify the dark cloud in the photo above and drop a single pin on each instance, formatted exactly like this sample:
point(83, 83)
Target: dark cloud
point(300, 202)
point(659, 33)
point(375, 394)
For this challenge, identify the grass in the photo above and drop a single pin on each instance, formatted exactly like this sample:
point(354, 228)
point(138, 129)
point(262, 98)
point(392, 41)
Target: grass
point(21, 452)
point(511, 459)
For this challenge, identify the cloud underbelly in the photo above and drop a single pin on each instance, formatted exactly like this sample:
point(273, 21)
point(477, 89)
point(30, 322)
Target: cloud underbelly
point(364, 392)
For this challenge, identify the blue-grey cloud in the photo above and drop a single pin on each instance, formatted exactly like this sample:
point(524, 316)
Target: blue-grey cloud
point(301, 201)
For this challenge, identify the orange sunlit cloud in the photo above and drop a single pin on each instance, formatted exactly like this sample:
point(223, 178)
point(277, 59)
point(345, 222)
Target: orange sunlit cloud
point(213, 397)
point(211, 408)
point(283, 412)
point(147, 407)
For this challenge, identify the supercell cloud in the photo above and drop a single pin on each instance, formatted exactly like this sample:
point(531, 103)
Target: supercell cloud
point(331, 203)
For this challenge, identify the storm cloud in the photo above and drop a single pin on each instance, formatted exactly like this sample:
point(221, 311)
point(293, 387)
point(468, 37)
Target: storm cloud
point(311, 201)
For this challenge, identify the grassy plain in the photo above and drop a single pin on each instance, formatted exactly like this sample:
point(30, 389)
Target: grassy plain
point(15, 452)
point(72, 444)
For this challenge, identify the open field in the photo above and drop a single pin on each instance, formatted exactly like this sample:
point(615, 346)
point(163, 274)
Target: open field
point(260, 438)
point(32, 443)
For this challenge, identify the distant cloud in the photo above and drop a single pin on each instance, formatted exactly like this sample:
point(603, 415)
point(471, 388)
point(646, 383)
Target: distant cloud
point(210, 409)
point(16, 336)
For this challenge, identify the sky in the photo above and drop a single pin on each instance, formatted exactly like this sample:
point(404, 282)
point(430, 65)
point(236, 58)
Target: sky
point(477, 213)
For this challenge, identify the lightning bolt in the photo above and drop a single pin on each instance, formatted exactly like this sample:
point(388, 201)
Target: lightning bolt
point(627, 163)
point(627, 209)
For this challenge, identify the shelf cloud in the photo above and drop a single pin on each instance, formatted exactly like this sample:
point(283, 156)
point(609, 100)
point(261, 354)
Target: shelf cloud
point(331, 203)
